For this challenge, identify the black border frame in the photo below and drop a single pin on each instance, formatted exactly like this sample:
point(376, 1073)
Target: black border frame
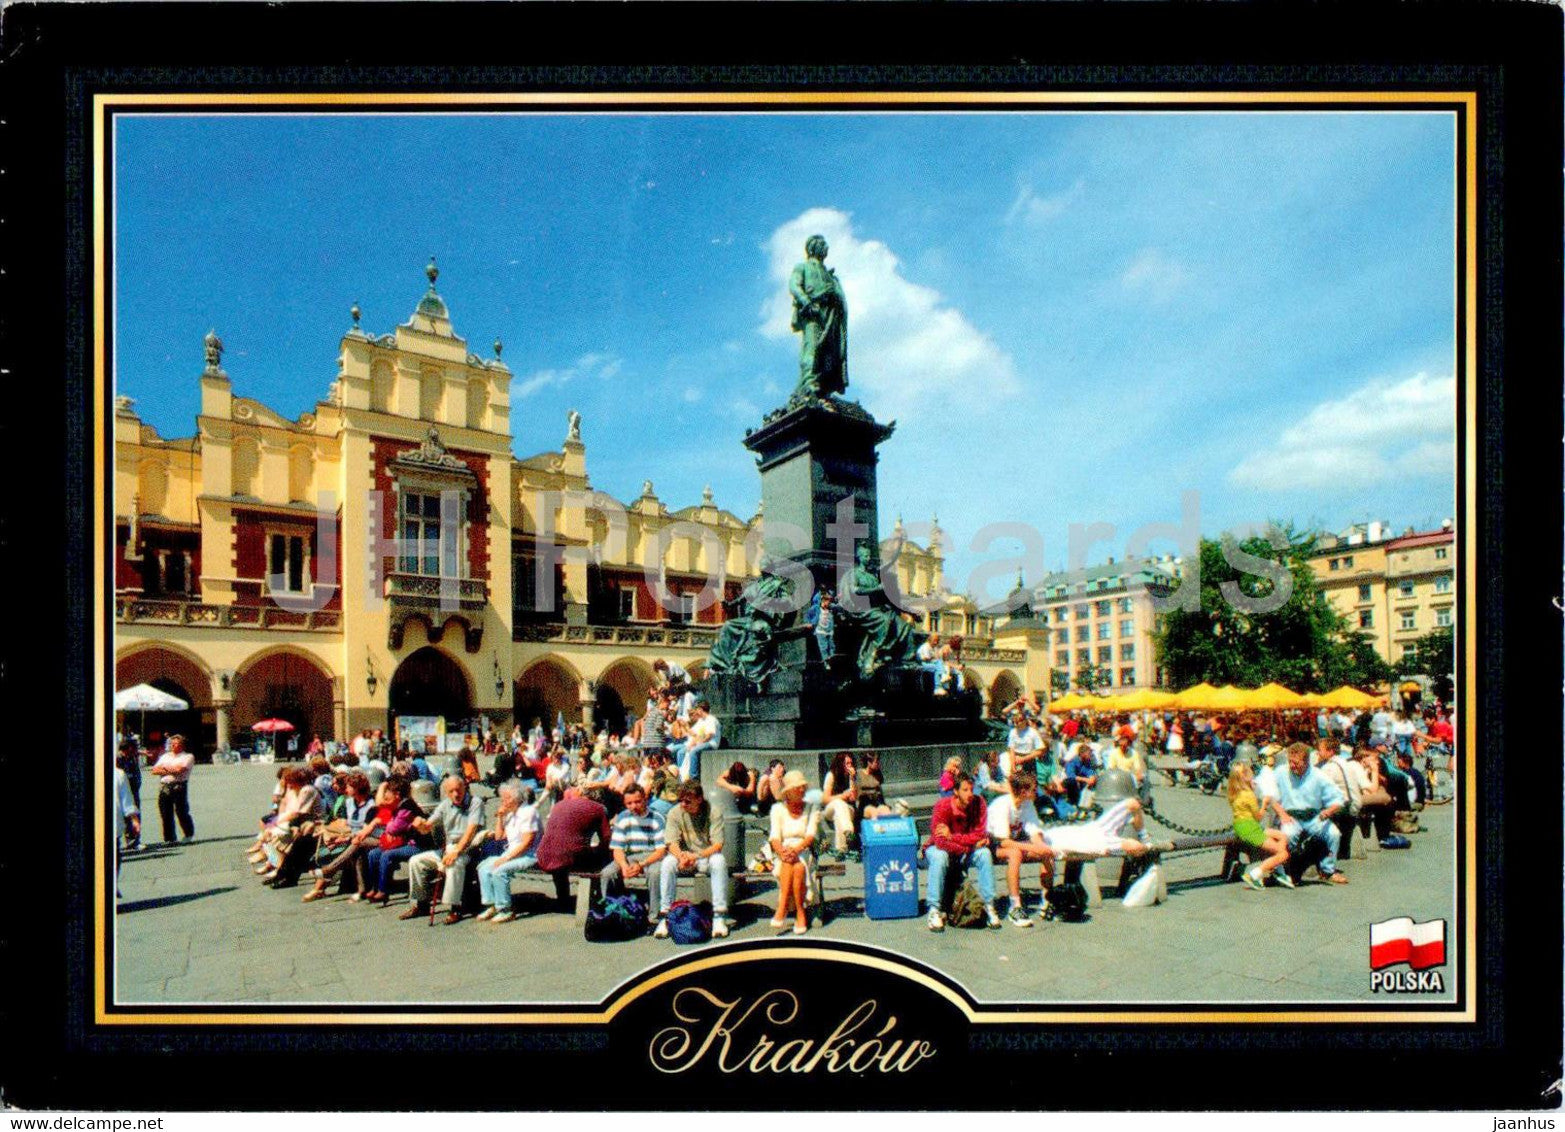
point(1509, 53)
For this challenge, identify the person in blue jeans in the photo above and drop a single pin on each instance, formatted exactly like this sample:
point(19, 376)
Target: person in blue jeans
point(517, 823)
point(397, 838)
point(959, 838)
point(1310, 800)
point(705, 735)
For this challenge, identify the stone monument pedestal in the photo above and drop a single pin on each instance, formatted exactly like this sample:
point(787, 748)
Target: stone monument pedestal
point(805, 705)
point(814, 456)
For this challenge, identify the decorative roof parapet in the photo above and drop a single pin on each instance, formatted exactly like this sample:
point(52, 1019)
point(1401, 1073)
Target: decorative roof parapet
point(433, 454)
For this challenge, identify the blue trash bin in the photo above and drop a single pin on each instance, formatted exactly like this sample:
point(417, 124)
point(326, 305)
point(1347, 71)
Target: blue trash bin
point(890, 868)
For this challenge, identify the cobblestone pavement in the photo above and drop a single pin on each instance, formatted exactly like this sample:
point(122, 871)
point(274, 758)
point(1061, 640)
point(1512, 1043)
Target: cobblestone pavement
point(194, 926)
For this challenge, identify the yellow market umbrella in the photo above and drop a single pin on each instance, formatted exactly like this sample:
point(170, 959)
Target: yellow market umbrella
point(1195, 697)
point(1312, 699)
point(1274, 697)
point(1070, 701)
point(1146, 700)
point(1227, 698)
point(1349, 697)
point(1410, 686)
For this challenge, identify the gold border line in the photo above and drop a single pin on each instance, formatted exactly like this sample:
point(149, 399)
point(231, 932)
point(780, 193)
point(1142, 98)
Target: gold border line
point(786, 953)
point(100, 802)
point(1253, 1013)
point(779, 98)
point(1469, 694)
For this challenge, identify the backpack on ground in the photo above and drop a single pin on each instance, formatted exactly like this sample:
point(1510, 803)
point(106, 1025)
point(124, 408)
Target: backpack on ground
point(967, 907)
point(687, 923)
point(612, 919)
point(1067, 901)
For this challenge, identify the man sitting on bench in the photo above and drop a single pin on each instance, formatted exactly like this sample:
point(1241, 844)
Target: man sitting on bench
point(695, 844)
point(959, 836)
point(459, 820)
point(567, 842)
point(637, 844)
point(1015, 828)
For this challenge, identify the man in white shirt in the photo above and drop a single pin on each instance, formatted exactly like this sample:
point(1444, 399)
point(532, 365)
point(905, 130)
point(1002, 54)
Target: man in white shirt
point(1017, 833)
point(173, 767)
point(929, 660)
point(1022, 747)
point(705, 735)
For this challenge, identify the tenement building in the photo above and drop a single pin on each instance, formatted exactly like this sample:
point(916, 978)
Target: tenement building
point(385, 554)
point(1395, 588)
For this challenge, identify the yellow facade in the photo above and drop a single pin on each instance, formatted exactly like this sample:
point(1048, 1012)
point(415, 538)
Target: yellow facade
point(1393, 589)
point(258, 570)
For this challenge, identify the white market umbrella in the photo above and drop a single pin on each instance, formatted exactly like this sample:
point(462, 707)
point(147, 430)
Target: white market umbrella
point(145, 698)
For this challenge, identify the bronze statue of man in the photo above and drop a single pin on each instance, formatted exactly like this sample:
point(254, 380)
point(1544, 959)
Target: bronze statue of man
point(820, 314)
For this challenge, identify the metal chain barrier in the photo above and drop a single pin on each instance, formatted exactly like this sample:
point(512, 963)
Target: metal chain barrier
point(1188, 831)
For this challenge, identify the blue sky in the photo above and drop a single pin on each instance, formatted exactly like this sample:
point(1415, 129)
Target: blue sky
point(1074, 318)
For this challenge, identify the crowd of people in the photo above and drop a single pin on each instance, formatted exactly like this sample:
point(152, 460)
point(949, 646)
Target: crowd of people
point(1300, 788)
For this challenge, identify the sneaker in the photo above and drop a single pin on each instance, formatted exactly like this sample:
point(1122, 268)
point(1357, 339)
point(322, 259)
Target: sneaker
point(937, 921)
point(1281, 877)
point(1396, 841)
point(487, 914)
point(1252, 878)
point(503, 918)
point(992, 917)
point(719, 927)
point(661, 931)
point(1019, 917)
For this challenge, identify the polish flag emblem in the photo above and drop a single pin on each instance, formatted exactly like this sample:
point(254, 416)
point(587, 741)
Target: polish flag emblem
point(1402, 941)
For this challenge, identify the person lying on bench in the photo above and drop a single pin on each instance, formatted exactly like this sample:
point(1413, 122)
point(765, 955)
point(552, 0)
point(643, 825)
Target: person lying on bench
point(1103, 835)
point(1014, 827)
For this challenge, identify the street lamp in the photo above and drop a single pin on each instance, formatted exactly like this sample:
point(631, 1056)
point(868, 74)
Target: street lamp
point(369, 678)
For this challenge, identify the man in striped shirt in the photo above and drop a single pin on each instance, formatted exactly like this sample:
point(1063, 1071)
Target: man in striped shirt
point(637, 842)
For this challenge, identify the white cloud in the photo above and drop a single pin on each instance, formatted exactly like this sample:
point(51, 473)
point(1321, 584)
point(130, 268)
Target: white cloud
point(601, 366)
point(1374, 435)
point(907, 347)
point(1030, 208)
point(691, 394)
point(1155, 276)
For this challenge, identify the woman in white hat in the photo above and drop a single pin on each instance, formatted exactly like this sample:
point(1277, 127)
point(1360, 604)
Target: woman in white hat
point(793, 840)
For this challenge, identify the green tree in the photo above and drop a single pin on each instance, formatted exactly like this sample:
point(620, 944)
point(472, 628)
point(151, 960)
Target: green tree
point(1303, 644)
point(1059, 680)
point(1093, 677)
point(1433, 655)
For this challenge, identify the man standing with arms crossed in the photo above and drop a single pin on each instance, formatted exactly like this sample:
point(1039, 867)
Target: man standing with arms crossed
point(173, 767)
